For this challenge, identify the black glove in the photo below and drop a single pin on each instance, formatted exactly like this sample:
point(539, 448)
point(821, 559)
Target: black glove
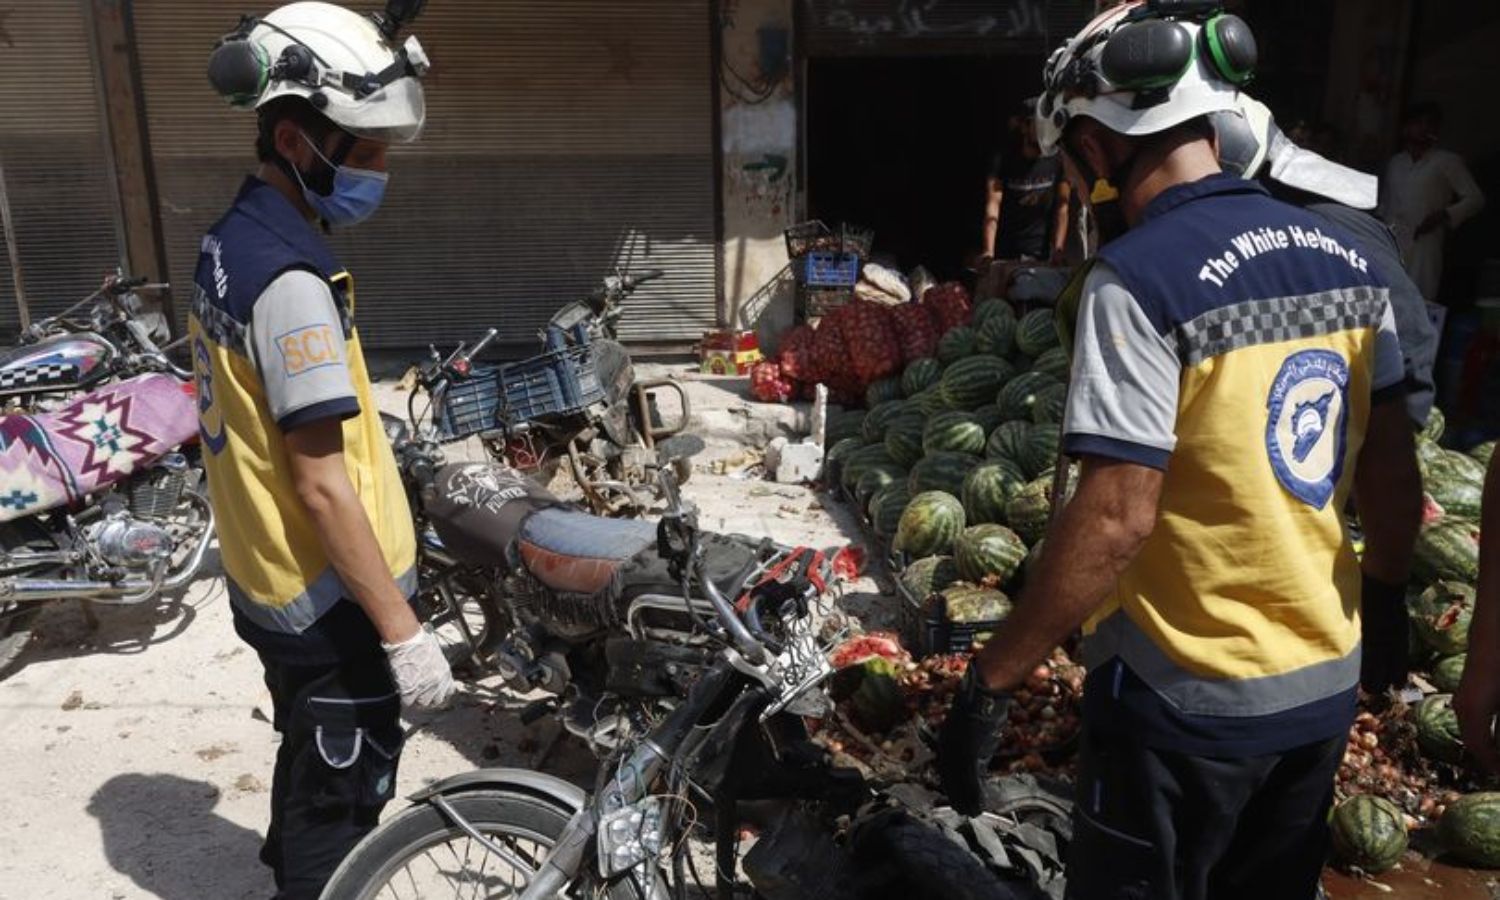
point(1384, 625)
point(970, 736)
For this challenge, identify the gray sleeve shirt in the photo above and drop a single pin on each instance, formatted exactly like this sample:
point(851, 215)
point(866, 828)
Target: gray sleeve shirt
point(296, 340)
point(1123, 399)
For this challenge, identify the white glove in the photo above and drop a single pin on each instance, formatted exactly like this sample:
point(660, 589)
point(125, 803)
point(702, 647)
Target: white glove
point(421, 671)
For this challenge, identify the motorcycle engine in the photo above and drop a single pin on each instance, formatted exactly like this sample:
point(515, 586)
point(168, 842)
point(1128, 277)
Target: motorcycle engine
point(131, 543)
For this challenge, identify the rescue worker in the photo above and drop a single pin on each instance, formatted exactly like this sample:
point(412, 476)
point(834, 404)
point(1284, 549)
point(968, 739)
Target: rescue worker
point(1252, 146)
point(1236, 375)
point(314, 530)
point(1477, 702)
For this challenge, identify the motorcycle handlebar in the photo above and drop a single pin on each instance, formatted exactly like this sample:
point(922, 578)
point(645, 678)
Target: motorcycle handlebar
point(489, 338)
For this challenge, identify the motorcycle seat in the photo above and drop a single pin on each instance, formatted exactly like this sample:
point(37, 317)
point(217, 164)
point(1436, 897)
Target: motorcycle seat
point(577, 553)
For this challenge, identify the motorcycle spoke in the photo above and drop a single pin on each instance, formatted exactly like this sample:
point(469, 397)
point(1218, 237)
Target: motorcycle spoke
point(463, 872)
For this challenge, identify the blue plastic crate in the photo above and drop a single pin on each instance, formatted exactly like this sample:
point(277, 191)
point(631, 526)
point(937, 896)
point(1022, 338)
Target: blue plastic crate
point(827, 270)
point(492, 398)
point(470, 405)
point(558, 383)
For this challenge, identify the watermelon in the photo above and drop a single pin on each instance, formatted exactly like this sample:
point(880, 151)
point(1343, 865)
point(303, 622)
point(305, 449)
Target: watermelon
point(1437, 729)
point(1448, 672)
point(1048, 408)
point(1441, 616)
point(1483, 452)
point(1036, 333)
point(883, 391)
point(989, 417)
point(986, 490)
point(956, 345)
point(872, 429)
point(996, 336)
point(1470, 829)
point(1030, 509)
point(840, 451)
point(887, 506)
point(1433, 430)
point(1054, 362)
point(1451, 464)
point(876, 478)
point(842, 425)
point(1019, 394)
point(993, 308)
point(877, 703)
point(929, 576)
point(1369, 833)
point(966, 604)
point(956, 432)
point(972, 382)
point(1447, 550)
point(903, 437)
point(933, 401)
point(942, 471)
point(930, 523)
point(1008, 440)
point(1039, 454)
point(861, 461)
point(988, 551)
point(920, 375)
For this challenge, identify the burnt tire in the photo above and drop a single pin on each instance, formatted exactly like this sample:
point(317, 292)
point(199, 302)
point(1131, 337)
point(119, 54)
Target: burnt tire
point(919, 862)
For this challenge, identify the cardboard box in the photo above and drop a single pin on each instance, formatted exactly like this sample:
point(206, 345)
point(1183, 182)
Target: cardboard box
point(729, 352)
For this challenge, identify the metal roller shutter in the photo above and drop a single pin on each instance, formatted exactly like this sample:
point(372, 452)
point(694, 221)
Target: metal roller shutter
point(563, 140)
point(939, 27)
point(53, 161)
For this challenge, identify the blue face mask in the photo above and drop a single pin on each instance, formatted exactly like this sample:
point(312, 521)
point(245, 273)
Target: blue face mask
point(356, 193)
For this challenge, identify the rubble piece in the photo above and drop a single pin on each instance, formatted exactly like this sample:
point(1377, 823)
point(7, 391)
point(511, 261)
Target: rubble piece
point(797, 463)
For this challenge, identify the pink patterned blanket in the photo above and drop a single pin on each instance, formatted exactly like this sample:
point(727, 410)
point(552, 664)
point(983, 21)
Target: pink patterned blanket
point(57, 458)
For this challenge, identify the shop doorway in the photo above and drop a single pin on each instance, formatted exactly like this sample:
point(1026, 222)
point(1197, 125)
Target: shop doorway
point(903, 145)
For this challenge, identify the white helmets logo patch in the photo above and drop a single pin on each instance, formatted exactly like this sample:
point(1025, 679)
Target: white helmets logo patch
point(1307, 424)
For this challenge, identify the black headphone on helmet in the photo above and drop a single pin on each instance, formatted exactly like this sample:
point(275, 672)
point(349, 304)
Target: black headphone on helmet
point(240, 69)
point(1149, 51)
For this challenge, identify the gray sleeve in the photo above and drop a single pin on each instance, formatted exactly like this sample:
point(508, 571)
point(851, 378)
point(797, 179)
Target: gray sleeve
point(1122, 402)
point(297, 344)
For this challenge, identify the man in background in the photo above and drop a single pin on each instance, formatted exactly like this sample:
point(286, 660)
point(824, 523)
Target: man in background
point(1425, 192)
point(1026, 198)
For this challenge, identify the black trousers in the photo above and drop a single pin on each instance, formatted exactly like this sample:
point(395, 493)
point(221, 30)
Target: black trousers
point(1155, 825)
point(336, 767)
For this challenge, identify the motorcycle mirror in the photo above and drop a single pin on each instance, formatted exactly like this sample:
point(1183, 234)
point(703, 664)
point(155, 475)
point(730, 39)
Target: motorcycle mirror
point(682, 446)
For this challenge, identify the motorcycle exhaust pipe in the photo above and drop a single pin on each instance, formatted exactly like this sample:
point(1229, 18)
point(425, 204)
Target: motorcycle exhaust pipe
point(35, 590)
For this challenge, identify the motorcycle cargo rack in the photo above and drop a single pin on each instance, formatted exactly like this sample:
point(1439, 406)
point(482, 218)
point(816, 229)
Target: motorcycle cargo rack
point(557, 383)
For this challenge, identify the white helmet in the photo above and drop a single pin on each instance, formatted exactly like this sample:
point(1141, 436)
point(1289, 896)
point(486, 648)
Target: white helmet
point(346, 65)
point(1249, 142)
point(1144, 67)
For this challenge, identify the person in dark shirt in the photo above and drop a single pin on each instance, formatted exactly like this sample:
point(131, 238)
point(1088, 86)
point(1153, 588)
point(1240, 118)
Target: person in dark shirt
point(1026, 198)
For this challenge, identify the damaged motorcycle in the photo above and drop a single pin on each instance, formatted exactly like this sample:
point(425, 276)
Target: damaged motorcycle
point(692, 663)
point(99, 479)
point(579, 402)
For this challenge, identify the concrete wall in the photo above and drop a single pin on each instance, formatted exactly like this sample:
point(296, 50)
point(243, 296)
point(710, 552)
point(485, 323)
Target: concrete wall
point(759, 132)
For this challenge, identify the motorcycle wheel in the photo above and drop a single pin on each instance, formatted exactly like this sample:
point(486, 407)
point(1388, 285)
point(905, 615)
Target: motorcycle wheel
point(15, 632)
point(421, 854)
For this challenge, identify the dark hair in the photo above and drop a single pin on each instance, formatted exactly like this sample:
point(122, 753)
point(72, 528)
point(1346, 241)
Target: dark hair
point(295, 110)
point(1424, 110)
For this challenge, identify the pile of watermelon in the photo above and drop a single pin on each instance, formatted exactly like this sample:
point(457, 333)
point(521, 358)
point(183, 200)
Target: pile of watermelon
point(1406, 759)
point(953, 460)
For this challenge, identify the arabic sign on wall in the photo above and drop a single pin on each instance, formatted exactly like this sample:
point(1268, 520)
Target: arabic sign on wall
point(856, 27)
